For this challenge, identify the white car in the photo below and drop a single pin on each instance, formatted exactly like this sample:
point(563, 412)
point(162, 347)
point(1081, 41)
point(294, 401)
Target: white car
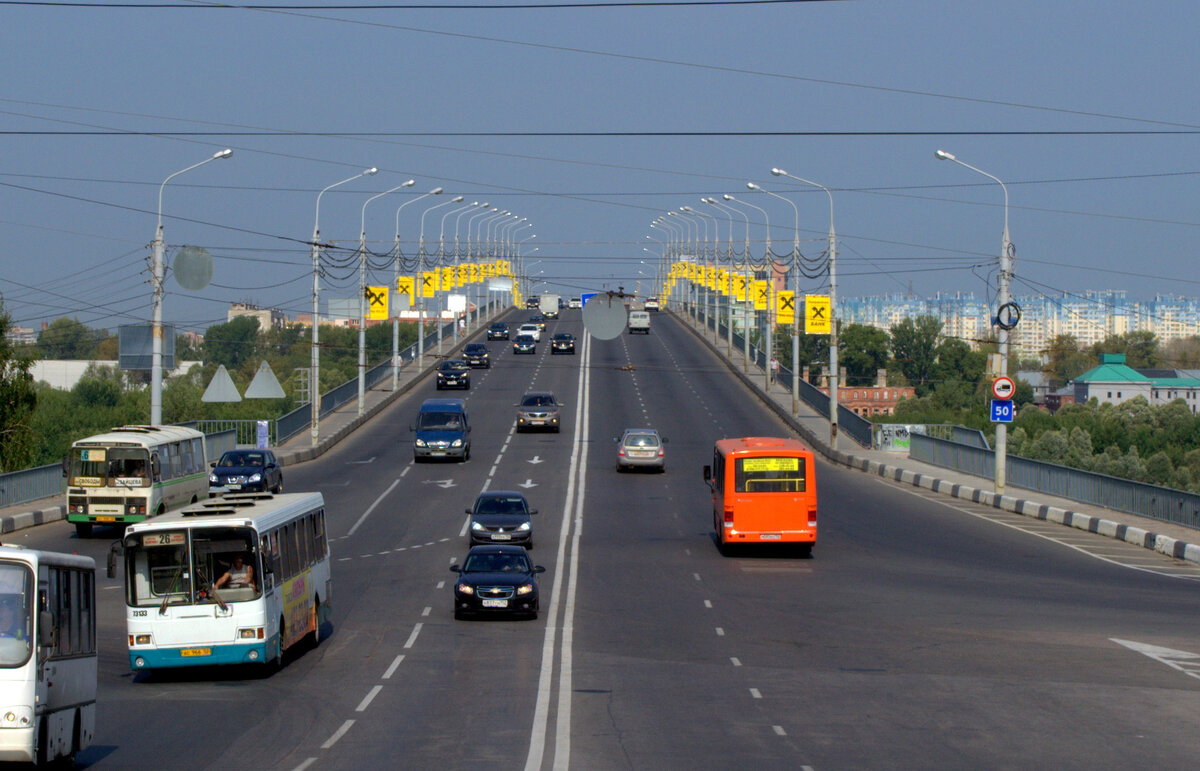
point(575, 302)
point(531, 329)
point(651, 303)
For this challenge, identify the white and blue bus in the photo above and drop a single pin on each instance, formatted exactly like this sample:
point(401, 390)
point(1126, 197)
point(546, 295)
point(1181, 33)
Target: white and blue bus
point(133, 472)
point(47, 654)
point(229, 580)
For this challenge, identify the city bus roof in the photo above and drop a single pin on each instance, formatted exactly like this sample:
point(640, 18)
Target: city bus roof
point(37, 556)
point(261, 510)
point(762, 445)
point(139, 435)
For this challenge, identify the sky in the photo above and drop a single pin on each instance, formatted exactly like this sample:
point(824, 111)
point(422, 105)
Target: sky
point(591, 121)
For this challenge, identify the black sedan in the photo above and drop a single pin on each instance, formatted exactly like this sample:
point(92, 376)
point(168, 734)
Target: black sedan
point(496, 579)
point(502, 516)
point(524, 344)
point(453, 373)
point(563, 342)
point(242, 471)
point(498, 331)
point(477, 355)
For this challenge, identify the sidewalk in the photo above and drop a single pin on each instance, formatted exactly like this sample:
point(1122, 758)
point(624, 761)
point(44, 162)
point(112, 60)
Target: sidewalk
point(333, 427)
point(1173, 540)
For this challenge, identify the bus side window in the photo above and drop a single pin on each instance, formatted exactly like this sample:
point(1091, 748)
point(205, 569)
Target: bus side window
point(320, 544)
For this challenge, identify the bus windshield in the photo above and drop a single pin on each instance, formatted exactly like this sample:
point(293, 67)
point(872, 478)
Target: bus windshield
point(16, 613)
point(192, 566)
point(105, 466)
point(770, 475)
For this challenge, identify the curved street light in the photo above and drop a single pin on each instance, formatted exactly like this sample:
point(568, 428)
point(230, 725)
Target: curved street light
point(1002, 300)
point(396, 283)
point(314, 371)
point(156, 329)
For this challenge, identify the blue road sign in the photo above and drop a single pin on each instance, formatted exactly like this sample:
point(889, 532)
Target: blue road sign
point(1002, 411)
point(586, 296)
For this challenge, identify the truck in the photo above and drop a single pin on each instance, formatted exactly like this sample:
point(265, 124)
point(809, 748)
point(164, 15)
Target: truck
point(548, 305)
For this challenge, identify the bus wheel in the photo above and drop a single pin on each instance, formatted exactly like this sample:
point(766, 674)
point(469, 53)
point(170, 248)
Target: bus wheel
point(83, 529)
point(316, 635)
point(277, 663)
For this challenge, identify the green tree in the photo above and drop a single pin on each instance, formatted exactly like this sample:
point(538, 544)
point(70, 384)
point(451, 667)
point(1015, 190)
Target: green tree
point(18, 399)
point(68, 339)
point(1065, 361)
point(914, 349)
point(1140, 348)
point(232, 344)
point(863, 351)
point(1183, 354)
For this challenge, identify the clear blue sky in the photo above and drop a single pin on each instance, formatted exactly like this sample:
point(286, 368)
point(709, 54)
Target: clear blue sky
point(858, 95)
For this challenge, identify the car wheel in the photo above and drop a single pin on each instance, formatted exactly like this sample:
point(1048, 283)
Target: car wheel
point(278, 487)
point(83, 529)
point(459, 615)
point(620, 469)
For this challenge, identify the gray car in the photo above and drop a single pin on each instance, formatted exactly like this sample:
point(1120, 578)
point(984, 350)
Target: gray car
point(641, 448)
point(538, 409)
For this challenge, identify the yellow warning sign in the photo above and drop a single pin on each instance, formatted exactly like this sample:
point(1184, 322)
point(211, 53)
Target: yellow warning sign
point(817, 315)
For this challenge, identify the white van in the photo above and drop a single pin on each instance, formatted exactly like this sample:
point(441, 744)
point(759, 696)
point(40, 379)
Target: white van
point(639, 321)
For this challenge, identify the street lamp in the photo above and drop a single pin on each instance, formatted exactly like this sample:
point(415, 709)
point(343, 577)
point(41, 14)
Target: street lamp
point(1003, 300)
point(727, 289)
point(396, 283)
point(314, 372)
point(834, 368)
point(420, 265)
point(362, 294)
point(441, 265)
point(156, 329)
point(767, 258)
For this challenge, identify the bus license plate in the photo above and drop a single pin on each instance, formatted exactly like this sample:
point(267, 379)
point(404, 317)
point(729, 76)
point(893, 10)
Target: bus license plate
point(106, 519)
point(495, 603)
point(501, 537)
point(770, 537)
point(195, 652)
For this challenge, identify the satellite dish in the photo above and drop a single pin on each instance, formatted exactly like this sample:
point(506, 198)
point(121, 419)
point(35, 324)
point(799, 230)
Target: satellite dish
point(604, 316)
point(193, 268)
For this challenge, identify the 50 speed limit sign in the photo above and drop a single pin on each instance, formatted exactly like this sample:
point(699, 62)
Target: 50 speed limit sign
point(1003, 387)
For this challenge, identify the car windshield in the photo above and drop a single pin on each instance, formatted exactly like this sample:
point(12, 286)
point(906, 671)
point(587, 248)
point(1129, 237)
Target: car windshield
point(497, 505)
point(641, 440)
point(497, 562)
point(450, 366)
point(243, 459)
point(538, 400)
point(439, 421)
point(563, 338)
point(476, 348)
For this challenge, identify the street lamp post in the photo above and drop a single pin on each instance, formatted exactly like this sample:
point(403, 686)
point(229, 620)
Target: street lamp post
point(314, 373)
point(1003, 300)
point(727, 289)
point(396, 283)
point(420, 265)
point(767, 258)
point(362, 294)
point(834, 374)
point(441, 265)
point(156, 329)
point(746, 270)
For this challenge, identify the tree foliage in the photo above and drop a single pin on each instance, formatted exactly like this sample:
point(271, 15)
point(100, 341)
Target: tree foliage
point(17, 402)
point(914, 350)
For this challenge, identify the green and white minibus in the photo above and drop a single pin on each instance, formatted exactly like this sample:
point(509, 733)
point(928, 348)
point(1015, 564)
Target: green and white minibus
point(229, 580)
point(47, 654)
point(133, 472)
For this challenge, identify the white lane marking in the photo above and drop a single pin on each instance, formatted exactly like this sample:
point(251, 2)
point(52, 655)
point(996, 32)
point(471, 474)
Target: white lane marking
point(720, 632)
point(332, 740)
point(426, 611)
point(344, 559)
point(755, 694)
point(391, 670)
point(696, 576)
point(735, 661)
point(441, 585)
point(378, 500)
point(466, 524)
point(1181, 661)
point(412, 638)
point(305, 764)
point(779, 730)
point(708, 603)
point(406, 469)
point(366, 702)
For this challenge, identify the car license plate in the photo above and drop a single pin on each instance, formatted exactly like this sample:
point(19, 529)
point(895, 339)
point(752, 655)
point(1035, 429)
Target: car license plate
point(501, 537)
point(234, 487)
point(106, 519)
point(495, 603)
point(195, 652)
point(770, 537)
point(437, 452)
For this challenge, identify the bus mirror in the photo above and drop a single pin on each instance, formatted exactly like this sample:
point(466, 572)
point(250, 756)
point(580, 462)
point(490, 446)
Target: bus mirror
point(46, 631)
point(708, 473)
point(155, 467)
point(66, 466)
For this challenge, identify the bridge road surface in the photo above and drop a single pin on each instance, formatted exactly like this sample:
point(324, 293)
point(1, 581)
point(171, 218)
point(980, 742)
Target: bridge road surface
point(920, 635)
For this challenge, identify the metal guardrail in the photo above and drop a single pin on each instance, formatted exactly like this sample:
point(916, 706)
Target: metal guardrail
point(1162, 503)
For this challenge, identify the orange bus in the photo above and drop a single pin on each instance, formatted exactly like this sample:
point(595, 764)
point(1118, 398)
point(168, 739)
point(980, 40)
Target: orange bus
point(764, 490)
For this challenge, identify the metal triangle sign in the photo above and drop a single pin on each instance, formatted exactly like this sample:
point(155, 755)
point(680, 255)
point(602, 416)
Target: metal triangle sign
point(265, 385)
point(221, 389)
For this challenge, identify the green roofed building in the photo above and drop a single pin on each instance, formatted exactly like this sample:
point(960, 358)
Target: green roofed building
point(1114, 382)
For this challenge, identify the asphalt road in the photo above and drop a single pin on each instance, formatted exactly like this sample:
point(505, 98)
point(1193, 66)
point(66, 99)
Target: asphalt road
point(921, 634)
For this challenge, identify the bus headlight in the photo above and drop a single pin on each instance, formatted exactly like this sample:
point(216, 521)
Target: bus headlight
point(251, 633)
point(141, 639)
point(17, 717)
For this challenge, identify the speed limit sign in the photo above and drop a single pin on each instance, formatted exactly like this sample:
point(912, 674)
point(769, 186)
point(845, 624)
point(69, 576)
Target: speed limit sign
point(1003, 387)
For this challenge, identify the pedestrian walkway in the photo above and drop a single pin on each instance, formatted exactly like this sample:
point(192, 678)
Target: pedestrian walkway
point(1168, 538)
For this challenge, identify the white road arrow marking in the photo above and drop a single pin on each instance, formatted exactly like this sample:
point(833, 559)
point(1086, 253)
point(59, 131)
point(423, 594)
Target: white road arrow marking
point(1183, 661)
point(445, 484)
point(363, 462)
point(528, 483)
point(536, 459)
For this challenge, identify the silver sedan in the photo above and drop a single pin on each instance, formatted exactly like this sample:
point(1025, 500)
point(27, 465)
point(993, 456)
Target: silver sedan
point(641, 448)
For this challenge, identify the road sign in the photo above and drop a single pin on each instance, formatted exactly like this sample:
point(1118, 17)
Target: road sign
point(1002, 411)
point(817, 315)
point(1003, 387)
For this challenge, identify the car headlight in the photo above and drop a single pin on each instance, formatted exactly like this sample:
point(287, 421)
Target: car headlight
point(420, 442)
point(476, 526)
point(525, 527)
point(456, 443)
point(525, 589)
point(255, 478)
point(465, 589)
point(212, 478)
